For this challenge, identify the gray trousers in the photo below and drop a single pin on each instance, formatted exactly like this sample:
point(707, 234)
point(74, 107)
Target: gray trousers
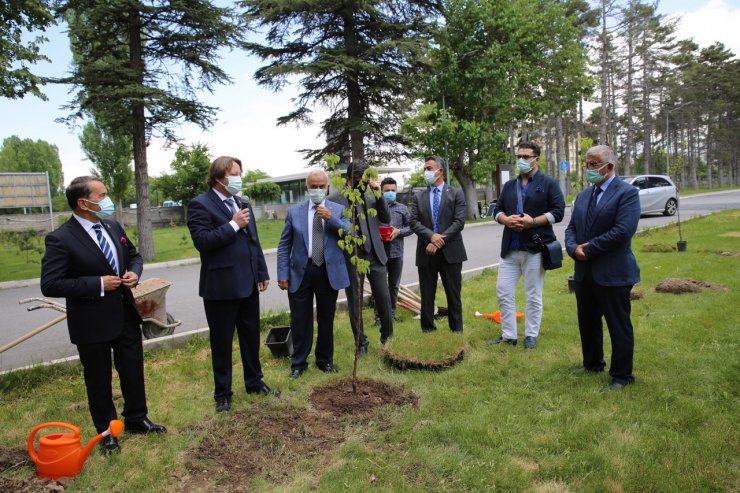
point(378, 277)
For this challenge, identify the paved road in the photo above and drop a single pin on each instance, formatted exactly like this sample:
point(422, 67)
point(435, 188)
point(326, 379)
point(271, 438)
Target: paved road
point(482, 242)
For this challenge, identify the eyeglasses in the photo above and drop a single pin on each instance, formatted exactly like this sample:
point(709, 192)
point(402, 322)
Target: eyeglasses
point(521, 156)
point(593, 165)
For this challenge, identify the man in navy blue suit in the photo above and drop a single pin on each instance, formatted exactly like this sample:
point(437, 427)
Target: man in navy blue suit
point(232, 274)
point(92, 263)
point(311, 264)
point(599, 238)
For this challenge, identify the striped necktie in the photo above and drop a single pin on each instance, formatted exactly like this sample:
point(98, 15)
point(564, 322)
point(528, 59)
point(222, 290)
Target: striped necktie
point(105, 247)
point(592, 206)
point(317, 240)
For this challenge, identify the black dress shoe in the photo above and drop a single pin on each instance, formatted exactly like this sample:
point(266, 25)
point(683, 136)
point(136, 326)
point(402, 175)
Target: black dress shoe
point(109, 445)
point(362, 351)
point(501, 339)
point(143, 426)
point(296, 373)
point(223, 405)
point(328, 368)
point(264, 390)
point(614, 385)
point(427, 331)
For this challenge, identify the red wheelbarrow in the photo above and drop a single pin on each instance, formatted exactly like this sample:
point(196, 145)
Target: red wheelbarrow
point(150, 302)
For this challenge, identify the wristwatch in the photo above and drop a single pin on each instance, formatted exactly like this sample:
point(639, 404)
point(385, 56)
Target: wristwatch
point(534, 223)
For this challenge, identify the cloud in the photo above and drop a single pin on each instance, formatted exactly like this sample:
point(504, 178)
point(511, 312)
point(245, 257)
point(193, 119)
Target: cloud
point(715, 21)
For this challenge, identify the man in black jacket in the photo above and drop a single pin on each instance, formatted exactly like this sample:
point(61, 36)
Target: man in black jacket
point(372, 250)
point(92, 263)
point(529, 204)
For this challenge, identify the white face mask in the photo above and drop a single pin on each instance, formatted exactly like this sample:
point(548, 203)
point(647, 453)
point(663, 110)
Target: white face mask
point(234, 185)
point(524, 166)
point(107, 208)
point(430, 176)
point(316, 195)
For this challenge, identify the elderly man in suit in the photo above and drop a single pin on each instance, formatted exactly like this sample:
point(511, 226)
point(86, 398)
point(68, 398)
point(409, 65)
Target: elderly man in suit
point(372, 250)
point(92, 263)
point(599, 238)
point(232, 274)
point(528, 205)
point(438, 218)
point(311, 264)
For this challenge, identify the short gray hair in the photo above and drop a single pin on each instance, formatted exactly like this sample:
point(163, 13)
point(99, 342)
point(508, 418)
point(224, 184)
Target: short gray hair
point(605, 152)
point(317, 171)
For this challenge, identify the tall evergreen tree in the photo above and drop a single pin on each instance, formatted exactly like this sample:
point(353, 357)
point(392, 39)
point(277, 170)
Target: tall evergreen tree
point(18, 17)
point(357, 58)
point(138, 67)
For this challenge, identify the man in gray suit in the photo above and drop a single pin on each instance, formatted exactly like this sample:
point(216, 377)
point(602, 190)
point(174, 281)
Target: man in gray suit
point(310, 264)
point(438, 218)
point(373, 250)
point(599, 238)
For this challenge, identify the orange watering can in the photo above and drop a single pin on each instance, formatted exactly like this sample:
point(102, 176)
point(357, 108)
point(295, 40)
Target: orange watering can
point(62, 454)
point(496, 316)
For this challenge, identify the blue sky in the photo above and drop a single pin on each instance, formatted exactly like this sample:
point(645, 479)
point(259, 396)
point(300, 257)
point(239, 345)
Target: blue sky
point(246, 122)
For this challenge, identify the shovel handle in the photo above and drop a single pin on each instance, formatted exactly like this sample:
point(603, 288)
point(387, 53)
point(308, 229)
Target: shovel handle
point(35, 331)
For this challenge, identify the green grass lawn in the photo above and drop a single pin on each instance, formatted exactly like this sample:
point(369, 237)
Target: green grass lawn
point(502, 419)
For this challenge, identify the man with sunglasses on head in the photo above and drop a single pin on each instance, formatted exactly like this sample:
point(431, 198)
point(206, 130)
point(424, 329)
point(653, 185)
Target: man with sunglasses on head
point(528, 205)
point(599, 238)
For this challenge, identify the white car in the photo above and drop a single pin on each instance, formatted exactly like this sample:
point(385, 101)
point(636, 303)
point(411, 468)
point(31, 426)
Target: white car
point(657, 193)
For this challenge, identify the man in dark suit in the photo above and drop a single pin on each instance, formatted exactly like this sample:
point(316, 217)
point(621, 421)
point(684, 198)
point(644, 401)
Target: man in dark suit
point(92, 263)
point(232, 274)
point(599, 238)
point(373, 250)
point(311, 264)
point(438, 218)
point(528, 205)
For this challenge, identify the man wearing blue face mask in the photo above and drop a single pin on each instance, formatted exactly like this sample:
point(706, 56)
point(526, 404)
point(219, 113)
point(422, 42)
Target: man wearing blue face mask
point(599, 238)
point(92, 263)
point(400, 221)
point(528, 205)
point(311, 265)
point(233, 273)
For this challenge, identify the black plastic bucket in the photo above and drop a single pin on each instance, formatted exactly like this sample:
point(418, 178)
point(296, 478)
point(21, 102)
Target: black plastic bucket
point(280, 341)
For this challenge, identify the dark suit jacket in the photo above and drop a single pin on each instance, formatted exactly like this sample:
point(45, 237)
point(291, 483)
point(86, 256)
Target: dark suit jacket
point(71, 269)
point(609, 252)
point(451, 221)
point(373, 222)
point(292, 253)
point(543, 195)
point(231, 262)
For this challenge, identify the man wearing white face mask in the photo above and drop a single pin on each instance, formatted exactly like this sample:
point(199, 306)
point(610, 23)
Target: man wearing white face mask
point(311, 265)
point(528, 205)
point(92, 263)
point(232, 274)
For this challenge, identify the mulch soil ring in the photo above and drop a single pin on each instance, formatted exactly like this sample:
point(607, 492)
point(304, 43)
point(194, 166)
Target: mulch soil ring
point(269, 441)
point(407, 362)
point(337, 398)
point(676, 285)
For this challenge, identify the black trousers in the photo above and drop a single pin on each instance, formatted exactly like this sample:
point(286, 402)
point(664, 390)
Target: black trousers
point(451, 275)
point(128, 357)
point(224, 316)
point(316, 284)
point(613, 304)
point(378, 277)
point(394, 266)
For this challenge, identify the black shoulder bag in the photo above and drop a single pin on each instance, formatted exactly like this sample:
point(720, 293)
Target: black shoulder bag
point(552, 253)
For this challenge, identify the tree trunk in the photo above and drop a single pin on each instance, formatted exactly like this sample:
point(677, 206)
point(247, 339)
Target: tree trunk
point(559, 152)
point(604, 73)
point(629, 97)
point(141, 172)
point(354, 94)
point(693, 178)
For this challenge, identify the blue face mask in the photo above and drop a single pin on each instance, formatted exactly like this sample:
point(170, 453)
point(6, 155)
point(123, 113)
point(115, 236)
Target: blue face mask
point(524, 166)
point(390, 196)
point(593, 176)
point(316, 195)
point(107, 208)
point(234, 185)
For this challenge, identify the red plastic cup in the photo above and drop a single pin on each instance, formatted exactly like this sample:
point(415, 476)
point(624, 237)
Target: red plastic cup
point(385, 232)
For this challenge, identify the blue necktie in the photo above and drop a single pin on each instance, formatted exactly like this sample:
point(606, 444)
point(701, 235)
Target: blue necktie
point(592, 206)
point(435, 208)
point(105, 247)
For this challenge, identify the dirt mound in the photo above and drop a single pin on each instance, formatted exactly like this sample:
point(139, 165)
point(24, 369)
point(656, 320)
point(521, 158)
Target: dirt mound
point(658, 248)
point(338, 399)
point(14, 458)
point(675, 285)
point(408, 362)
point(240, 446)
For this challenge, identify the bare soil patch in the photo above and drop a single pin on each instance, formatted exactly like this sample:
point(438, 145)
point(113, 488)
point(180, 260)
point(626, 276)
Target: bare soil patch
point(731, 234)
point(15, 458)
point(675, 285)
point(658, 248)
point(259, 441)
point(636, 295)
point(337, 398)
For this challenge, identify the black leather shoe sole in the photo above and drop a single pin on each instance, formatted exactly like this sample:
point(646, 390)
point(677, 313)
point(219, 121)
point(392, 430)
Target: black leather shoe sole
point(143, 428)
point(109, 445)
